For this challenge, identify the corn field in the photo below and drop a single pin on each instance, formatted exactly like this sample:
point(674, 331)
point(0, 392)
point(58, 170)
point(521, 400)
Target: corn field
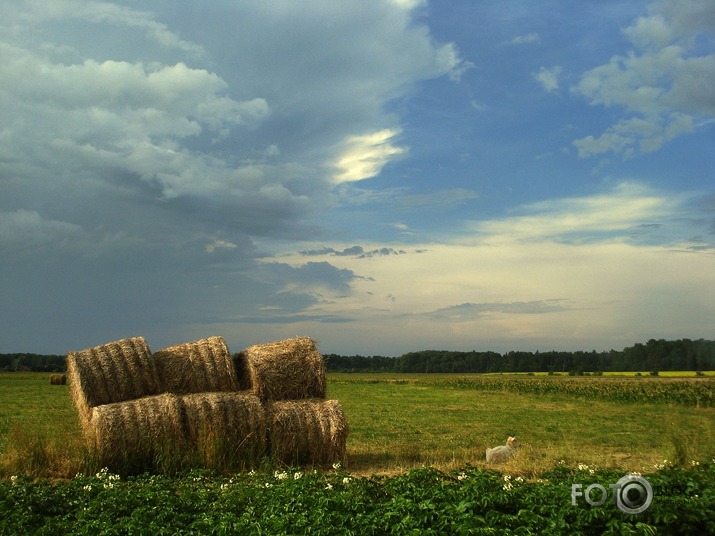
point(677, 391)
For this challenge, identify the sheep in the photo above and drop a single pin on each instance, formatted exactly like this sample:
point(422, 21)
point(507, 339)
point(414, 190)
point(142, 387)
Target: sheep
point(503, 452)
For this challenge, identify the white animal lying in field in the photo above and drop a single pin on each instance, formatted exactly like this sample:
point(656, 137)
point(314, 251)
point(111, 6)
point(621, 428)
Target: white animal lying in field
point(503, 452)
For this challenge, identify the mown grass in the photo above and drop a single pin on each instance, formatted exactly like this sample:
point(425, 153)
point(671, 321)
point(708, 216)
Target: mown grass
point(401, 422)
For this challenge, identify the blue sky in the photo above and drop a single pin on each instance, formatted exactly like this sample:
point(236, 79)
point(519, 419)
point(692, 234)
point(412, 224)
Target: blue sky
point(382, 176)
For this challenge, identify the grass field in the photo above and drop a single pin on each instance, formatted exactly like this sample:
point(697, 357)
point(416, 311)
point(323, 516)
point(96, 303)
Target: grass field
point(404, 421)
point(401, 421)
point(415, 463)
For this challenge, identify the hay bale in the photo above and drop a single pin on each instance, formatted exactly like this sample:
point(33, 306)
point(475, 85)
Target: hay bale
point(196, 367)
point(226, 428)
point(58, 379)
point(286, 370)
point(307, 431)
point(113, 372)
point(137, 434)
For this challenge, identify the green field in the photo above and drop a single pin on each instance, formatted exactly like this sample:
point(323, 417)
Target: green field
point(403, 421)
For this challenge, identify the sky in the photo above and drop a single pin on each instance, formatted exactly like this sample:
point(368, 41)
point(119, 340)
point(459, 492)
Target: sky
point(382, 176)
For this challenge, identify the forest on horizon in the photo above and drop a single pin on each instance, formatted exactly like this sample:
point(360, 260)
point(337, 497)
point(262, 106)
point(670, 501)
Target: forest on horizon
point(654, 355)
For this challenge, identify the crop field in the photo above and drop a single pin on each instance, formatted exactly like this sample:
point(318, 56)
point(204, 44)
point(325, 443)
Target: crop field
point(415, 460)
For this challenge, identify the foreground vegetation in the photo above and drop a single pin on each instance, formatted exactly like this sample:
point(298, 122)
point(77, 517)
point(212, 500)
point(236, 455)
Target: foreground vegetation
point(415, 463)
point(423, 501)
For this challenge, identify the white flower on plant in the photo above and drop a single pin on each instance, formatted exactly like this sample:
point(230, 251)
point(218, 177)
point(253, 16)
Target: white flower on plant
point(280, 475)
point(268, 485)
point(251, 473)
point(507, 483)
point(346, 480)
point(329, 486)
point(694, 463)
point(461, 476)
point(297, 475)
point(337, 466)
point(13, 479)
point(88, 487)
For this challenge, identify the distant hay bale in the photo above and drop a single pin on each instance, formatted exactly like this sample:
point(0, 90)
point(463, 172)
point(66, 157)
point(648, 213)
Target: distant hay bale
point(110, 373)
point(136, 433)
point(226, 428)
point(58, 379)
point(307, 431)
point(285, 370)
point(196, 367)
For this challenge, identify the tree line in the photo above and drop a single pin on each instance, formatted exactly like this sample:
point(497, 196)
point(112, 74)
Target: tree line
point(655, 355)
point(32, 362)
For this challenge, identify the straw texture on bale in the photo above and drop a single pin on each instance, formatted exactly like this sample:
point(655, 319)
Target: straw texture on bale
point(113, 372)
point(196, 367)
point(285, 370)
point(136, 429)
point(58, 379)
point(307, 431)
point(231, 424)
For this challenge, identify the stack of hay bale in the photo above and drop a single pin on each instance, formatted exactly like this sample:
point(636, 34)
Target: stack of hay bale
point(196, 398)
point(58, 379)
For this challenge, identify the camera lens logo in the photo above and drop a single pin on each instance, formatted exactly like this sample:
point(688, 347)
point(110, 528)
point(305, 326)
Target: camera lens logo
point(633, 494)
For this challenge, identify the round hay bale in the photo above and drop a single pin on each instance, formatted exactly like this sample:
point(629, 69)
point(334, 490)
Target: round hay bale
point(286, 370)
point(196, 367)
point(307, 432)
point(110, 373)
point(226, 428)
point(58, 379)
point(136, 434)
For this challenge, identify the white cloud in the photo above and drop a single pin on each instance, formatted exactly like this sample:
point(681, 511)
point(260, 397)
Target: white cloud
point(601, 217)
point(665, 84)
point(220, 244)
point(166, 151)
point(630, 135)
point(565, 273)
point(363, 157)
point(97, 12)
point(548, 78)
point(526, 39)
